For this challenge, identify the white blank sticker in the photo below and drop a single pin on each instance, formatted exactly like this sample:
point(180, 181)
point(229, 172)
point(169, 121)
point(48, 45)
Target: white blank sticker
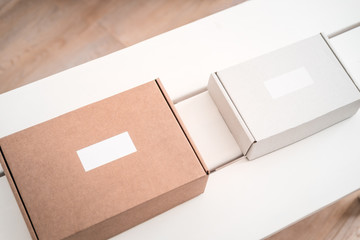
point(106, 151)
point(289, 82)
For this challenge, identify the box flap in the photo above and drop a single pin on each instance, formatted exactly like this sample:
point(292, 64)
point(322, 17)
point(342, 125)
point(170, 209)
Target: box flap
point(326, 39)
point(230, 113)
point(182, 125)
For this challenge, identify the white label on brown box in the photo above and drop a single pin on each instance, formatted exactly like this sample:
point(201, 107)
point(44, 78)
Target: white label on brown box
point(106, 151)
point(289, 82)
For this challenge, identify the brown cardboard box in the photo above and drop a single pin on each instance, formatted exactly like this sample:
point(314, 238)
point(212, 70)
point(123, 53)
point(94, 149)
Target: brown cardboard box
point(62, 197)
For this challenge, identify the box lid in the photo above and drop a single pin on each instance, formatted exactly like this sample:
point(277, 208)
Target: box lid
point(288, 87)
point(62, 195)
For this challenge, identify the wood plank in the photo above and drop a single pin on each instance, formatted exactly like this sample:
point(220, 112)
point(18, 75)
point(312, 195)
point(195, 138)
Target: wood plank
point(348, 225)
point(40, 39)
point(340, 220)
point(150, 18)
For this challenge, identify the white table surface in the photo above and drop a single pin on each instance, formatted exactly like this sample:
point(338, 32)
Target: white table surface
point(247, 199)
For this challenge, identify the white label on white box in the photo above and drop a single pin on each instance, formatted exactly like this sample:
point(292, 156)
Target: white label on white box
point(289, 82)
point(106, 151)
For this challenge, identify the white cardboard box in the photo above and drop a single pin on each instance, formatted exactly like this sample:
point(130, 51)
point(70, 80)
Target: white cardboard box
point(284, 96)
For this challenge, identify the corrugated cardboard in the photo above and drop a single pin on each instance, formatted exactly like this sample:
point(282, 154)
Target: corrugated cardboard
point(60, 200)
point(284, 96)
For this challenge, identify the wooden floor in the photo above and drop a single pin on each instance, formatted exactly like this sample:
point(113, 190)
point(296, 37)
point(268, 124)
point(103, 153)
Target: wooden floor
point(340, 221)
point(39, 38)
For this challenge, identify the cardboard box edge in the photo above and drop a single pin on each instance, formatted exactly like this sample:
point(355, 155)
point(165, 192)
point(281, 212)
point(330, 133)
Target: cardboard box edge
point(344, 112)
point(17, 195)
point(199, 184)
point(235, 122)
point(326, 40)
point(181, 125)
